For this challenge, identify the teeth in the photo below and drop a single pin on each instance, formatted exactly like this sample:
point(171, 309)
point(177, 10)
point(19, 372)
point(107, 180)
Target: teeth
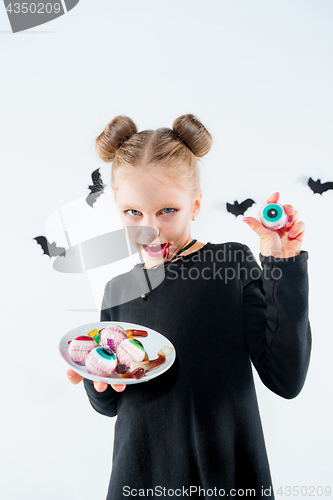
point(155, 246)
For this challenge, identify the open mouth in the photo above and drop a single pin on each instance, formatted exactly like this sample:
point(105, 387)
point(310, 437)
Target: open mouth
point(155, 250)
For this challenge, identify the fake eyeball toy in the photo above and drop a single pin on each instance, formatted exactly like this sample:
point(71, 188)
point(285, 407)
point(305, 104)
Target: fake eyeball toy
point(101, 361)
point(130, 350)
point(80, 347)
point(273, 216)
point(112, 336)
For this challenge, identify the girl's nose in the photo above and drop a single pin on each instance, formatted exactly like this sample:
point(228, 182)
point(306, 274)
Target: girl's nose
point(148, 233)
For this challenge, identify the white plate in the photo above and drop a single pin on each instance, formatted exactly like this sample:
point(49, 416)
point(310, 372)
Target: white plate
point(152, 344)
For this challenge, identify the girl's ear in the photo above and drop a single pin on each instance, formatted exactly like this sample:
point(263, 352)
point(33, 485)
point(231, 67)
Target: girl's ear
point(197, 204)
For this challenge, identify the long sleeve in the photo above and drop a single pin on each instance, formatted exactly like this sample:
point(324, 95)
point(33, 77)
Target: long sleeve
point(103, 402)
point(276, 324)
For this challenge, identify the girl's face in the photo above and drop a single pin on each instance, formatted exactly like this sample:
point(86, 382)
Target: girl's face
point(161, 214)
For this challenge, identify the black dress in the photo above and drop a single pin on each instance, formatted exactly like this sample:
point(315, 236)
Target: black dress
point(195, 431)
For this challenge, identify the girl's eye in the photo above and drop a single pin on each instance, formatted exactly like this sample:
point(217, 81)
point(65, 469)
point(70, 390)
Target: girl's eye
point(132, 210)
point(168, 212)
point(165, 211)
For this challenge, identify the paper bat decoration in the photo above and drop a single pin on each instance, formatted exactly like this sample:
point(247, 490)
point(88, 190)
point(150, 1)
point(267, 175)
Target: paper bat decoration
point(96, 189)
point(240, 208)
point(50, 249)
point(318, 187)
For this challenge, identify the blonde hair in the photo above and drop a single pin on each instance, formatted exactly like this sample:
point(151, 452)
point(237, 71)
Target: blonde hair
point(176, 151)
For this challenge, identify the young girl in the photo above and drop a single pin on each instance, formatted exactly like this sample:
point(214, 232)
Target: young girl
point(195, 431)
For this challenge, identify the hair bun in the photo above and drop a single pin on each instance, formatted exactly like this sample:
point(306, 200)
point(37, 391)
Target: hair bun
point(119, 130)
point(192, 132)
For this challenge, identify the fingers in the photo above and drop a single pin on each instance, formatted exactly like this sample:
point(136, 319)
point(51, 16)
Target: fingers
point(273, 198)
point(292, 214)
point(100, 386)
point(73, 377)
point(119, 387)
point(256, 226)
point(296, 230)
point(293, 227)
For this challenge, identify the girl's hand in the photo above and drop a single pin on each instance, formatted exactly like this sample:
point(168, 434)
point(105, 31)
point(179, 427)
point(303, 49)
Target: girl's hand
point(74, 378)
point(283, 243)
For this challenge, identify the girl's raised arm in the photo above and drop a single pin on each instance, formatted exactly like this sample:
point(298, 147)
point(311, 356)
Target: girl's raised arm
point(276, 323)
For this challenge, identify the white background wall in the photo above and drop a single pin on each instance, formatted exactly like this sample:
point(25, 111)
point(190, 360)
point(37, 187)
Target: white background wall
point(259, 76)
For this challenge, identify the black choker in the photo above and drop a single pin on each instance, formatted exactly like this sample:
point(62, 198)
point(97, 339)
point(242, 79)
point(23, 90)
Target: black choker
point(144, 296)
point(182, 250)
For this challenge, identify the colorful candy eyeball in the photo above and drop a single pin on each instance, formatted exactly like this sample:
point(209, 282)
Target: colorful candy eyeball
point(95, 334)
point(130, 350)
point(273, 216)
point(79, 348)
point(101, 361)
point(112, 336)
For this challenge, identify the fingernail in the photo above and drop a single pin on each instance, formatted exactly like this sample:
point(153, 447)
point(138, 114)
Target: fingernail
point(246, 221)
point(291, 235)
point(70, 375)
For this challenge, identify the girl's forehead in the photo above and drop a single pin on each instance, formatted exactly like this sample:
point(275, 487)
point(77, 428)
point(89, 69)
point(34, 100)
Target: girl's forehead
point(149, 192)
point(148, 183)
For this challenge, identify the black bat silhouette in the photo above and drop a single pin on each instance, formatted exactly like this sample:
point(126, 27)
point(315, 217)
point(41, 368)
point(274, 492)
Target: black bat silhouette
point(50, 249)
point(96, 189)
point(240, 208)
point(318, 187)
